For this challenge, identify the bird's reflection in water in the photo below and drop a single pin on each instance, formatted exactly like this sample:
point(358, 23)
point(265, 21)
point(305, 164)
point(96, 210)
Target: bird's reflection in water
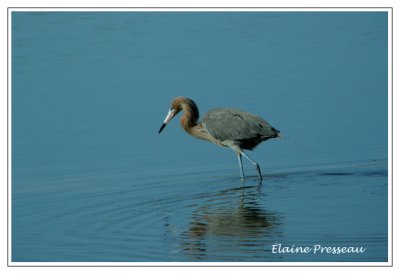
point(229, 225)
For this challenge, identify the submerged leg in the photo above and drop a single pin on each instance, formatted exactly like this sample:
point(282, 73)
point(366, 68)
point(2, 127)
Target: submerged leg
point(240, 166)
point(255, 164)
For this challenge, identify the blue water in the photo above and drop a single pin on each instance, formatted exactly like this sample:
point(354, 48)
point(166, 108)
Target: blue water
point(93, 181)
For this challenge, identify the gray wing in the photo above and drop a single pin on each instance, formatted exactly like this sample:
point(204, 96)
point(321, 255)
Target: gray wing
point(234, 124)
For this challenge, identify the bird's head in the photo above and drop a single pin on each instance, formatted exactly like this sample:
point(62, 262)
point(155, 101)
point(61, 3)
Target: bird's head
point(176, 106)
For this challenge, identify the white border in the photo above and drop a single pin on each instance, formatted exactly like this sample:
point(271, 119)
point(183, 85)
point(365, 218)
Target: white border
point(217, 9)
point(200, 9)
point(390, 135)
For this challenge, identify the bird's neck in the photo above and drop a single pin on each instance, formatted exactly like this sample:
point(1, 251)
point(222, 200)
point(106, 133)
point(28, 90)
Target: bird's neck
point(200, 132)
point(189, 118)
point(188, 124)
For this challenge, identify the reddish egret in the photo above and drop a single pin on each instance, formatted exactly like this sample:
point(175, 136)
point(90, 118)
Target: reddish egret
point(226, 127)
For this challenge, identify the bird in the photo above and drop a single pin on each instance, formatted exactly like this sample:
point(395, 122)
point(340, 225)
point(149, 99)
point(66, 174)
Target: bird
point(226, 127)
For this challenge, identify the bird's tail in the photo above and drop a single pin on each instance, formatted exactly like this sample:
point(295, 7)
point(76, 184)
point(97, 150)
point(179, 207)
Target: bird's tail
point(287, 140)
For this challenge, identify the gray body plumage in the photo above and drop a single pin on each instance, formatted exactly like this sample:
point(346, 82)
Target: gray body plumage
point(243, 129)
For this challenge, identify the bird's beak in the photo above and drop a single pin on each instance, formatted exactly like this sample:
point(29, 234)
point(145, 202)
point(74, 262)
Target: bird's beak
point(171, 113)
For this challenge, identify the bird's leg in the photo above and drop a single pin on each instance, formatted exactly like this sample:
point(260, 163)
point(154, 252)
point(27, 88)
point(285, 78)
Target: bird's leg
point(255, 164)
point(240, 166)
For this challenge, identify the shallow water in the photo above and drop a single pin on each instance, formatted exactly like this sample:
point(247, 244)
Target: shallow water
point(204, 216)
point(92, 181)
